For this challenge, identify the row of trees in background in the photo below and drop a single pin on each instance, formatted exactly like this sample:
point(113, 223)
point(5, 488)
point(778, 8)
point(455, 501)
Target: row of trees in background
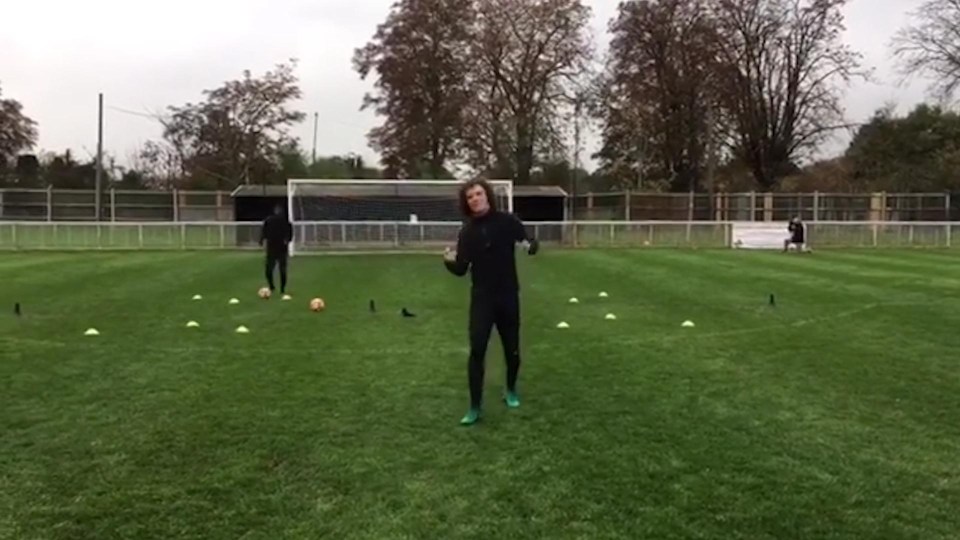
point(692, 94)
point(238, 133)
point(485, 83)
point(66, 171)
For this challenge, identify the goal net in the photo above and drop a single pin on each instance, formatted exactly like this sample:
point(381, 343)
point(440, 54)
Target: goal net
point(372, 214)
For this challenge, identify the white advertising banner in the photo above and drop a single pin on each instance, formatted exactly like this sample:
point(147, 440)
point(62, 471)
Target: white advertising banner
point(759, 235)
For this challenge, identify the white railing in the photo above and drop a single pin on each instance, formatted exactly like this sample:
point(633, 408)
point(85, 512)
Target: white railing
point(354, 235)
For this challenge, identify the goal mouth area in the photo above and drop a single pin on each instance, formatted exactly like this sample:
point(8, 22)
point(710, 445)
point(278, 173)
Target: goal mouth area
point(372, 206)
point(385, 188)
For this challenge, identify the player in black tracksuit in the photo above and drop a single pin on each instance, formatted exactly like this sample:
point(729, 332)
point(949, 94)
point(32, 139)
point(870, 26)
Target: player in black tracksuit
point(486, 248)
point(277, 232)
point(797, 231)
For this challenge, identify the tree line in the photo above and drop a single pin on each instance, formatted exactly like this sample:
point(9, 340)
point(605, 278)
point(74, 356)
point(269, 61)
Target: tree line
point(690, 95)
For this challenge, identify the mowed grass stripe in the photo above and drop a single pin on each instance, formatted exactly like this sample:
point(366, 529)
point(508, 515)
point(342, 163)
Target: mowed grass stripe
point(833, 274)
point(763, 383)
point(348, 429)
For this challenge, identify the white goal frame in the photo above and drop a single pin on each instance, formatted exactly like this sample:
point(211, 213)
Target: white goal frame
point(292, 183)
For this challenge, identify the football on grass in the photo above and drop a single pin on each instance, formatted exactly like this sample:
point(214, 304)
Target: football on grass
point(264, 293)
point(317, 304)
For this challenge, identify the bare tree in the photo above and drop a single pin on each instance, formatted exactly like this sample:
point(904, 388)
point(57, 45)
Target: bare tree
point(237, 133)
point(930, 46)
point(532, 57)
point(160, 165)
point(658, 91)
point(17, 131)
point(780, 62)
point(488, 142)
point(420, 59)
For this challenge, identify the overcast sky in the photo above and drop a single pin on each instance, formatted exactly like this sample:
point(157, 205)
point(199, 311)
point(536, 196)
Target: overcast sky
point(56, 55)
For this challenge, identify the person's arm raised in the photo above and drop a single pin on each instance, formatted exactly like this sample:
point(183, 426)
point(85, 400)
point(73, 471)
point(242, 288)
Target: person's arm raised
point(456, 260)
point(520, 235)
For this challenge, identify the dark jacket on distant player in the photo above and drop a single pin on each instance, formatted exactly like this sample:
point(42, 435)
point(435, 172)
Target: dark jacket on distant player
point(277, 232)
point(486, 247)
point(797, 231)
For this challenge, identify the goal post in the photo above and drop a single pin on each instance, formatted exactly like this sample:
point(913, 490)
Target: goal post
point(371, 214)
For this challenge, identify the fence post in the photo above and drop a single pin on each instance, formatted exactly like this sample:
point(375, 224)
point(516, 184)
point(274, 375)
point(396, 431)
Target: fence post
point(140, 234)
point(49, 203)
point(176, 205)
point(946, 206)
point(628, 204)
point(816, 205)
point(753, 206)
point(113, 204)
point(13, 233)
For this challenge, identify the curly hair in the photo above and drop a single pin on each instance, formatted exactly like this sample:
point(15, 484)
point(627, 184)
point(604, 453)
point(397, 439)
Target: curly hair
point(466, 186)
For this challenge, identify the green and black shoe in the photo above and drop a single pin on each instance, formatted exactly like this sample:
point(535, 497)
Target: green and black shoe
point(472, 417)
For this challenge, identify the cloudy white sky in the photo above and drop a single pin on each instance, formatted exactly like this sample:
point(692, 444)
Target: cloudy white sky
point(56, 55)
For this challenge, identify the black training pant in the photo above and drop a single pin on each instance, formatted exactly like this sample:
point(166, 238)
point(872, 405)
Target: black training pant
point(486, 311)
point(277, 257)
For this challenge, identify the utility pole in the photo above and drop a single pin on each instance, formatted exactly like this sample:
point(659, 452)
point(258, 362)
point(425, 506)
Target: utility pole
point(576, 141)
point(578, 104)
point(316, 117)
point(99, 180)
point(641, 155)
point(711, 161)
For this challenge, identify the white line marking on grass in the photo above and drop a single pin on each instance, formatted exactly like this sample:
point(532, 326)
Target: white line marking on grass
point(754, 329)
point(463, 350)
point(438, 251)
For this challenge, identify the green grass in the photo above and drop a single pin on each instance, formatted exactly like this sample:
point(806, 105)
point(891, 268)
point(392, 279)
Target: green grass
point(833, 415)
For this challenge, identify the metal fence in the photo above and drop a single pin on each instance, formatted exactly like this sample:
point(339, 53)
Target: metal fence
point(332, 236)
point(631, 206)
point(217, 206)
point(115, 205)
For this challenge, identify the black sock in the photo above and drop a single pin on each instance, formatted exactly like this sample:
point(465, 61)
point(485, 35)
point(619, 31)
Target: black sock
point(508, 326)
point(475, 374)
point(269, 272)
point(481, 324)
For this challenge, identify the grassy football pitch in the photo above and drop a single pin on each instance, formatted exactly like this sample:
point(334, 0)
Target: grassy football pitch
point(833, 414)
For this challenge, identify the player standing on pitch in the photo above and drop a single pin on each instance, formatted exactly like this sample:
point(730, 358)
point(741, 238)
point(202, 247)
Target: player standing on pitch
point(277, 231)
point(486, 246)
point(797, 235)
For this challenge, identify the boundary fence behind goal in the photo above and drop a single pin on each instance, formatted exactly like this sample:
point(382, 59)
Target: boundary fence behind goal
point(318, 237)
